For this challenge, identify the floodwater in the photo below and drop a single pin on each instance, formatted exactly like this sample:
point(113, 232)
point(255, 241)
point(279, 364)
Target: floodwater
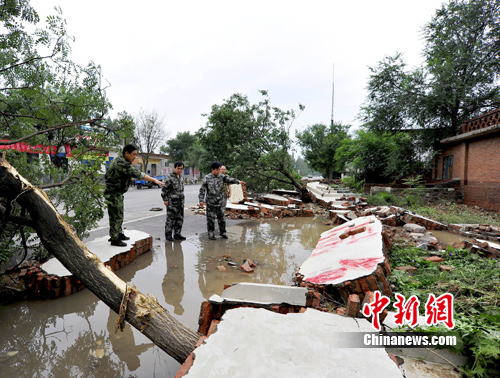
point(75, 336)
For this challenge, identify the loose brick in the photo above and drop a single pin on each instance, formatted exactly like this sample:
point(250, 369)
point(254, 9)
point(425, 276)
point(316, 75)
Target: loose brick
point(435, 259)
point(445, 268)
point(353, 305)
point(407, 268)
point(246, 268)
point(205, 317)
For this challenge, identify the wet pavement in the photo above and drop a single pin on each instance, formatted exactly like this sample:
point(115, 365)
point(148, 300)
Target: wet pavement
point(74, 336)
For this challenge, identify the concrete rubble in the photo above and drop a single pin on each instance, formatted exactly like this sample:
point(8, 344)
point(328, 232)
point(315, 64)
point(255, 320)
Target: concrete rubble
point(52, 280)
point(347, 266)
point(349, 261)
point(240, 206)
point(270, 344)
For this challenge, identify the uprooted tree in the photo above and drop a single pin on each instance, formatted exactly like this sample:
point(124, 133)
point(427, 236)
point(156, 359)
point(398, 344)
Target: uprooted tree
point(254, 141)
point(141, 311)
point(54, 132)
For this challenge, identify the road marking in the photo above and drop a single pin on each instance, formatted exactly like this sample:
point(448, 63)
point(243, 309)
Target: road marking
point(132, 221)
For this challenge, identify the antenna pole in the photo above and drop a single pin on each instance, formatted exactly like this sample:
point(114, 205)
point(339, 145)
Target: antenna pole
point(333, 90)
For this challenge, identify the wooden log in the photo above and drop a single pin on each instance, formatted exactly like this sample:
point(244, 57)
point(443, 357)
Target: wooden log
point(141, 311)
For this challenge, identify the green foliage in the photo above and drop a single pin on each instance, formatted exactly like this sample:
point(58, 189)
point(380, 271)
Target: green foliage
point(253, 140)
point(383, 199)
point(50, 103)
point(457, 81)
point(452, 214)
point(319, 143)
point(473, 281)
point(380, 157)
point(415, 192)
point(351, 182)
point(178, 148)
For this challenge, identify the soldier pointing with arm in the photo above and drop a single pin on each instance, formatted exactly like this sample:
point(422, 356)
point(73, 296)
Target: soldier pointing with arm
point(212, 193)
point(118, 178)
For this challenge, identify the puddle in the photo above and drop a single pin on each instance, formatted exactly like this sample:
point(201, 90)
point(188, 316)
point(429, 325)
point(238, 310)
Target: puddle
point(74, 336)
point(447, 238)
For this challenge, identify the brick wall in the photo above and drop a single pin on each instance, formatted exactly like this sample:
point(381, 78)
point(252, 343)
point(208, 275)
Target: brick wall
point(484, 161)
point(476, 162)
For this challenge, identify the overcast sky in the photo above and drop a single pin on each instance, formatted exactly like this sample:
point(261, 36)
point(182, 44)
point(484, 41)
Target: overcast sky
point(179, 58)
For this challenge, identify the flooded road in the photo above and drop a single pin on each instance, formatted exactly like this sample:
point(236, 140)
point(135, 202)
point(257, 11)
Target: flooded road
point(74, 336)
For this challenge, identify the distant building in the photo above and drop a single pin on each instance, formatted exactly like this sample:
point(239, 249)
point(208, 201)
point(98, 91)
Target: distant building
point(472, 158)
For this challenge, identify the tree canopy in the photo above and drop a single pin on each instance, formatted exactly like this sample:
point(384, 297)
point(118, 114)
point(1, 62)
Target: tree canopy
point(178, 148)
point(253, 140)
point(319, 143)
point(458, 80)
point(52, 120)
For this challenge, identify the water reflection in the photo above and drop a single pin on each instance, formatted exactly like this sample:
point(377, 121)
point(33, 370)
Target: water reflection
point(74, 336)
point(173, 283)
point(278, 248)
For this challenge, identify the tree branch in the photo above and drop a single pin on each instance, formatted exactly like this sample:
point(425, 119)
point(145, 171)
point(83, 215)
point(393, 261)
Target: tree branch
point(69, 177)
point(89, 121)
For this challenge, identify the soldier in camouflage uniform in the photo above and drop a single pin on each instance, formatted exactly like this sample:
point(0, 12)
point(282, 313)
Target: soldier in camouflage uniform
point(212, 194)
point(173, 198)
point(118, 178)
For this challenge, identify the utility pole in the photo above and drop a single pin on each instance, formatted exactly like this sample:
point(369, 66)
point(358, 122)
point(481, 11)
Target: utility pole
point(333, 90)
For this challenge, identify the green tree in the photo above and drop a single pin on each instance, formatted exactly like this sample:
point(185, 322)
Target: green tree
point(319, 143)
point(253, 140)
point(54, 109)
point(458, 80)
point(186, 147)
point(178, 148)
point(381, 157)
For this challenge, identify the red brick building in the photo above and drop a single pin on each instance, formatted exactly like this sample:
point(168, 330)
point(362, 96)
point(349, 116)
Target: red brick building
point(473, 157)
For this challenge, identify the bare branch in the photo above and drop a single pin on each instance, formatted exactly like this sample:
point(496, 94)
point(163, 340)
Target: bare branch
point(89, 121)
point(69, 176)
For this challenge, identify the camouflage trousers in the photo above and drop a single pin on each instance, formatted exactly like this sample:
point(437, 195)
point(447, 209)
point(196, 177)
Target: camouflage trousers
point(175, 219)
point(114, 201)
point(212, 213)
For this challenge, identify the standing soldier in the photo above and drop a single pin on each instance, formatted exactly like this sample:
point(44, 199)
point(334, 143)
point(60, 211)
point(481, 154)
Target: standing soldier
point(118, 178)
point(173, 198)
point(212, 194)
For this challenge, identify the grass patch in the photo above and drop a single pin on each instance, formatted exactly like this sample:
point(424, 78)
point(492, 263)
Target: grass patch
point(475, 284)
point(443, 213)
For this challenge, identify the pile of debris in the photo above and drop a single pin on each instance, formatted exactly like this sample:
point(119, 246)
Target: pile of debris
point(482, 231)
point(279, 204)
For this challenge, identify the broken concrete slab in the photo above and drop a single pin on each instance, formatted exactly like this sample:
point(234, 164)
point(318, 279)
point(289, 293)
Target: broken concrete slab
point(274, 199)
point(349, 259)
point(336, 259)
point(101, 248)
point(281, 192)
point(265, 294)
point(53, 280)
point(414, 228)
point(273, 345)
point(237, 193)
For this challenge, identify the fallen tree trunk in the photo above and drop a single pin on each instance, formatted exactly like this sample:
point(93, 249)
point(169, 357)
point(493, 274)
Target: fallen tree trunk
point(141, 311)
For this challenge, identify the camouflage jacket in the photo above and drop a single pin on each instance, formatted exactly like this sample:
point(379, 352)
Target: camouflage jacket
point(173, 190)
point(212, 189)
point(119, 175)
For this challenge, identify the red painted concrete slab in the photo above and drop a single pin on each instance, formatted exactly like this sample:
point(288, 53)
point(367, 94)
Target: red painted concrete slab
point(347, 252)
